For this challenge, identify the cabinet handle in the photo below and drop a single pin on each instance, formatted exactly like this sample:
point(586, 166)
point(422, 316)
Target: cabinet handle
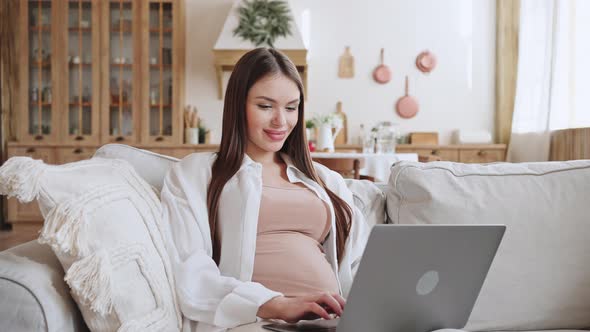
point(39, 137)
point(435, 152)
point(159, 139)
point(79, 138)
point(78, 151)
point(30, 150)
point(481, 153)
point(120, 138)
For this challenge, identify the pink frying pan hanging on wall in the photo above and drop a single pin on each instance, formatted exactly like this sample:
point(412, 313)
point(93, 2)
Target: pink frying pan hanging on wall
point(407, 106)
point(382, 74)
point(426, 61)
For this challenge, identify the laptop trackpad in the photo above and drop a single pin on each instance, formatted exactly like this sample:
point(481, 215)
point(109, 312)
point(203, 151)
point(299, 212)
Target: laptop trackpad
point(318, 325)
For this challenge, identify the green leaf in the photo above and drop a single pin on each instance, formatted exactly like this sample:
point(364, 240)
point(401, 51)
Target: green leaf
point(262, 21)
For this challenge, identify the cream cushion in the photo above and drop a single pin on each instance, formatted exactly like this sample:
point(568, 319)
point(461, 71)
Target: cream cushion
point(103, 223)
point(540, 278)
point(370, 199)
point(34, 295)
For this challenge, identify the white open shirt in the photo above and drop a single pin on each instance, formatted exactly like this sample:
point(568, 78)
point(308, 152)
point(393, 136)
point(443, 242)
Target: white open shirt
point(214, 298)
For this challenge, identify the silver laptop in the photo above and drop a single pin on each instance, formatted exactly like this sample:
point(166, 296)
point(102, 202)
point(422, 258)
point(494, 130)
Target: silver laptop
point(414, 278)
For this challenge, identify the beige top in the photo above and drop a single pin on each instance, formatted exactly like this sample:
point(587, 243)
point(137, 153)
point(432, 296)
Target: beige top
point(292, 224)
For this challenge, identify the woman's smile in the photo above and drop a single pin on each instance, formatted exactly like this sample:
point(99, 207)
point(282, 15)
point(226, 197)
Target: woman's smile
point(275, 135)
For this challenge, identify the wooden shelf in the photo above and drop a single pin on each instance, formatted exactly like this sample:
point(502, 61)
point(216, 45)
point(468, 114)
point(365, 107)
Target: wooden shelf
point(83, 104)
point(120, 105)
point(76, 29)
point(116, 30)
point(36, 103)
point(43, 64)
point(40, 28)
point(164, 30)
point(161, 105)
point(161, 66)
point(124, 65)
point(71, 64)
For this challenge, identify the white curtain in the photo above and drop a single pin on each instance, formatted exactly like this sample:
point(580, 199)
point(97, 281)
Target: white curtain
point(553, 78)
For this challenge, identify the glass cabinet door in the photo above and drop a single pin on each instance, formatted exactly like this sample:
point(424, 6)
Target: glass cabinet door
point(39, 119)
point(161, 124)
point(119, 92)
point(82, 83)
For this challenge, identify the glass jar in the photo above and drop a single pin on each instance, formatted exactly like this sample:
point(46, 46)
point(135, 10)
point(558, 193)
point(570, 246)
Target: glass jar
point(46, 95)
point(387, 133)
point(35, 95)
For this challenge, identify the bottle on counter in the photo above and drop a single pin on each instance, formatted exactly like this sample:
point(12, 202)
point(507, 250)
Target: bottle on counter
point(362, 134)
point(35, 95)
point(46, 95)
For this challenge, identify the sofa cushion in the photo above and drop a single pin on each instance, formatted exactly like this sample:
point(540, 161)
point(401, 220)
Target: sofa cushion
point(540, 278)
point(369, 199)
point(34, 295)
point(103, 223)
point(151, 166)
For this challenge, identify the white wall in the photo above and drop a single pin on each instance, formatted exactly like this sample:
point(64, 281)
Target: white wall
point(458, 94)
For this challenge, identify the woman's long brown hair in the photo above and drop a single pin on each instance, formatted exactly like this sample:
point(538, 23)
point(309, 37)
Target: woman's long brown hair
point(253, 66)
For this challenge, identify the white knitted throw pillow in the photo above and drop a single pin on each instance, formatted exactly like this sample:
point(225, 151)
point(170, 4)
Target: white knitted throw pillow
point(103, 223)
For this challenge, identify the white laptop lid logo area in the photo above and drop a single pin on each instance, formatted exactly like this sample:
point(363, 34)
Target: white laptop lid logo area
point(427, 283)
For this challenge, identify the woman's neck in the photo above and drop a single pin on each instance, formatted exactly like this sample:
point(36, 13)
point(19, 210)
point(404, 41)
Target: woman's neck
point(273, 167)
point(266, 158)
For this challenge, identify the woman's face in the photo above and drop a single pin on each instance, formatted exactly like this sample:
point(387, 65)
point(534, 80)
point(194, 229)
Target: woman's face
point(272, 109)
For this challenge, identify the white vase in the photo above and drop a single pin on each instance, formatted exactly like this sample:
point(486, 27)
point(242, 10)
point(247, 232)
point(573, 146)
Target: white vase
point(325, 139)
point(191, 135)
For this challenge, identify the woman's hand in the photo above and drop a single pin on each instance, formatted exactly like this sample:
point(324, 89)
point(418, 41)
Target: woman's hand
point(294, 309)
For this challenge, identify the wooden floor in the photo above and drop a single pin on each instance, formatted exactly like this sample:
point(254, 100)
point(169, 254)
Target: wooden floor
point(19, 234)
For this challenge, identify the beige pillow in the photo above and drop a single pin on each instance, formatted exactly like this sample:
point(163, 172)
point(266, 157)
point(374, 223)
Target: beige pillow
point(103, 223)
point(540, 277)
point(369, 199)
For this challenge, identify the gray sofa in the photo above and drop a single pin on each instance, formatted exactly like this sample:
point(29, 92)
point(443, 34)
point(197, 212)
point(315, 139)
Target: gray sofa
point(540, 279)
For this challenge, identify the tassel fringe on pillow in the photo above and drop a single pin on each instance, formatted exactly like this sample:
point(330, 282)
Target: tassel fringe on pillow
point(20, 178)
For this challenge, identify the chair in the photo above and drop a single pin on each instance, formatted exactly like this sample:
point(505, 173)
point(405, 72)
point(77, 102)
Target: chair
point(344, 166)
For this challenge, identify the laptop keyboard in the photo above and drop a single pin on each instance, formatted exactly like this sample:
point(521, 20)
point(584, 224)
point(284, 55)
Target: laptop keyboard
point(319, 325)
point(297, 328)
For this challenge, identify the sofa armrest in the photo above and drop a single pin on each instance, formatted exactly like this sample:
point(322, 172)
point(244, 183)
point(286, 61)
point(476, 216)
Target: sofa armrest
point(34, 294)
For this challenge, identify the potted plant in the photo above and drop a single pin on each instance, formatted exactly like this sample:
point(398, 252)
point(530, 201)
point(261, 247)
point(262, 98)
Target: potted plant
point(203, 133)
point(309, 126)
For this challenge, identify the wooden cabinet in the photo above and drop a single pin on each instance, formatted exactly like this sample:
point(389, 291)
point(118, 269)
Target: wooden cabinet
point(465, 153)
point(47, 154)
point(37, 117)
point(162, 37)
point(121, 69)
point(482, 156)
point(28, 212)
point(23, 213)
point(100, 71)
point(94, 72)
point(448, 154)
point(66, 155)
point(81, 70)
